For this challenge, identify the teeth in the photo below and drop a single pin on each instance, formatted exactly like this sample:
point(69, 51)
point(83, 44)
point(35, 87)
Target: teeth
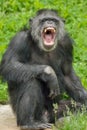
point(54, 30)
point(50, 28)
point(45, 30)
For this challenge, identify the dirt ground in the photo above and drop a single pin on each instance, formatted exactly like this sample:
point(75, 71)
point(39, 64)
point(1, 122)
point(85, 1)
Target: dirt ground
point(7, 119)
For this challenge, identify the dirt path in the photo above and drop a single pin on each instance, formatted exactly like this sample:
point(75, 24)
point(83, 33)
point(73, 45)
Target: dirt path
point(7, 119)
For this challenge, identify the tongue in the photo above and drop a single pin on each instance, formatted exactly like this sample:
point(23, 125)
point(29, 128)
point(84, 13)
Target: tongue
point(48, 38)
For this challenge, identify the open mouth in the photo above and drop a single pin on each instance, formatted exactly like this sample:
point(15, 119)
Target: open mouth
point(49, 36)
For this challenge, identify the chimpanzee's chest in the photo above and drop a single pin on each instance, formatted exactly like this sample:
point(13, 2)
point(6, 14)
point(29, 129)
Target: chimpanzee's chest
point(51, 59)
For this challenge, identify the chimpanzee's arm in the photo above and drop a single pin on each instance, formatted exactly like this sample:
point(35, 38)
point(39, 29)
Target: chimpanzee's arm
point(15, 64)
point(73, 84)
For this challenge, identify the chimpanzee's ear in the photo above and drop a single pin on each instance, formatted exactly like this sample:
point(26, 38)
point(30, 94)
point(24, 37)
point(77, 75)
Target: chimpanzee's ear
point(30, 20)
point(63, 20)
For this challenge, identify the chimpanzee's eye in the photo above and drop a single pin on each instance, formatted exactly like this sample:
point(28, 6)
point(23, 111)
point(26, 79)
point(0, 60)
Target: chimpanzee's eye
point(49, 19)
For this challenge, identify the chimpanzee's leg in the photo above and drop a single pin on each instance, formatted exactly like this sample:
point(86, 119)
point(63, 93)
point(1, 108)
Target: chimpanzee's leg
point(29, 104)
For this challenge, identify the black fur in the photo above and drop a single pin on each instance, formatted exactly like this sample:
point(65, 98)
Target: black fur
point(36, 74)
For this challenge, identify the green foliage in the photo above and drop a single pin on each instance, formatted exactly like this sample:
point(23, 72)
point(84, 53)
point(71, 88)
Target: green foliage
point(73, 122)
point(14, 14)
point(3, 93)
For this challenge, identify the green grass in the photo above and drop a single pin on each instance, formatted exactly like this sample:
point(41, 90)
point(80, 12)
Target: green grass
point(76, 121)
point(14, 14)
point(3, 93)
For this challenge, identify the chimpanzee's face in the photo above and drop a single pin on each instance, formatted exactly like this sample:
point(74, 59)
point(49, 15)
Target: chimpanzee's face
point(47, 29)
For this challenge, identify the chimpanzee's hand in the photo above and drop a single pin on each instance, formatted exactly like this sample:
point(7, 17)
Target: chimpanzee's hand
point(52, 82)
point(48, 75)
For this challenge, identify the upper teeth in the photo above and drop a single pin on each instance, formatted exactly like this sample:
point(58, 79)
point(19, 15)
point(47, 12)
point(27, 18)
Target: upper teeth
point(49, 28)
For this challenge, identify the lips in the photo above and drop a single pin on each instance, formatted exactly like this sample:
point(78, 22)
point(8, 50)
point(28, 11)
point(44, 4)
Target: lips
point(49, 36)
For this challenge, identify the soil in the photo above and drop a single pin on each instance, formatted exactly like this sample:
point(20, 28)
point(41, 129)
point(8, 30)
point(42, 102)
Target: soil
point(7, 119)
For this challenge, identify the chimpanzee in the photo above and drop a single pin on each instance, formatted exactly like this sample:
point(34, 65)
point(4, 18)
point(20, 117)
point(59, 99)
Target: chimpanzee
point(38, 68)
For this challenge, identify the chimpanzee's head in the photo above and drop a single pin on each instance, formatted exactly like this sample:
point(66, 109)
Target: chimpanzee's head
point(47, 28)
